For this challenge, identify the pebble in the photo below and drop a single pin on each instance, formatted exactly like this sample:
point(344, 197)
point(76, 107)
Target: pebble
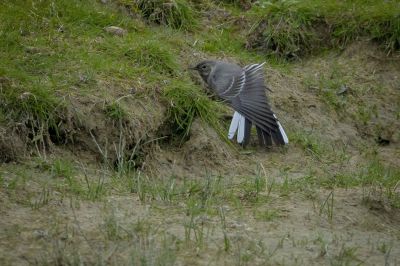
point(116, 31)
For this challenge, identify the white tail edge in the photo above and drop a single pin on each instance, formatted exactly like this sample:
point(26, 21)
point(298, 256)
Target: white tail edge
point(240, 134)
point(234, 125)
point(285, 138)
point(237, 125)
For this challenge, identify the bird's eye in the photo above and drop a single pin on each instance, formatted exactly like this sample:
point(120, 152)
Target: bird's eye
point(204, 67)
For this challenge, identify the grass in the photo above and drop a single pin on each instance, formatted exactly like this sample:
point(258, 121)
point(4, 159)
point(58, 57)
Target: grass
point(61, 175)
point(308, 141)
point(329, 86)
point(115, 111)
point(154, 56)
point(205, 207)
point(186, 103)
point(177, 14)
point(43, 199)
point(267, 215)
point(42, 60)
point(55, 58)
point(381, 183)
point(346, 256)
point(328, 206)
point(292, 29)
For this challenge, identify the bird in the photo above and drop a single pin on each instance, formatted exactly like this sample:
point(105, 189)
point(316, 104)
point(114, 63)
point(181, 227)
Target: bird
point(245, 91)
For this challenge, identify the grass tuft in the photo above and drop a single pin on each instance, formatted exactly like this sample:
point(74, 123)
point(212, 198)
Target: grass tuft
point(311, 143)
point(291, 29)
point(177, 14)
point(186, 103)
point(380, 183)
point(34, 108)
point(115, 111)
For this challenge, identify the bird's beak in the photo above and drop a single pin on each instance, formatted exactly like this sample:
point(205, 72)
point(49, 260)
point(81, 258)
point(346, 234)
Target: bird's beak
point(192, 68)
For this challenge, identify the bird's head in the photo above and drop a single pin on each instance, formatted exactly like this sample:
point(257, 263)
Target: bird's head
point(204, 68)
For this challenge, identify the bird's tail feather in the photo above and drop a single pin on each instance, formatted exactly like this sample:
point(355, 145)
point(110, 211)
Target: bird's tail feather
point(241, 127)
point(267, 137)
point(282, 132)
point(234, 125)
point(264, 137)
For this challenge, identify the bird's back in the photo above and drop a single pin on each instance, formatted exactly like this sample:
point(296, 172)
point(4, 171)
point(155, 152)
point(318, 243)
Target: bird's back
point(222, 76)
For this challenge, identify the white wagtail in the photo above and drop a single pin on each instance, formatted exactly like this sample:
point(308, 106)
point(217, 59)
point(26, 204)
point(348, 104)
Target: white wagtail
point(244, 90)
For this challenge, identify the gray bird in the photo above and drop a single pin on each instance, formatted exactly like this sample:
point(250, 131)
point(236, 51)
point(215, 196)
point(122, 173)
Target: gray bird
point(244, 90)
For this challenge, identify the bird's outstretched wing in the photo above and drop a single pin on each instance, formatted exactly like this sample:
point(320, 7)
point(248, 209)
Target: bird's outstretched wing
point(246, 93)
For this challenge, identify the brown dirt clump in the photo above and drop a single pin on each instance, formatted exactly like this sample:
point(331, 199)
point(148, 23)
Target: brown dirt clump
point(12, 147)
point(203, 152)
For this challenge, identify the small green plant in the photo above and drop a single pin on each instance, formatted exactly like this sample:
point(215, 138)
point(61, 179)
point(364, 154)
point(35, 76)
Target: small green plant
point(151, 249)
point(74, 186)
point(285, 187)
point(94, 189)
point(344, 180)
point(380, 183)
point(43, 199)
point(309, 142)
point(384, 247)
point(253, 189)
point(112, 228)
point(346, 256)
point(323, 245)
point(195, 228)
point(328, 87)
point(167, 190)
point(115, 111)
point(259, 184)
point(62, 169)
point(328, 206)
point(364, 114)
point(141, 187)
point(266, 215)
point(227, 242)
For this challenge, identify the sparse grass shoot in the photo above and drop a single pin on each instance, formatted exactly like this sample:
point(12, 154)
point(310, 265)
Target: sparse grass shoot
point(43, 199)
point(115, 111)
point(381, 183)
point(62, 169)
point(266, 215)
point(329, 86)
point(309, 142)
point(327, 206)
point(346, 256)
